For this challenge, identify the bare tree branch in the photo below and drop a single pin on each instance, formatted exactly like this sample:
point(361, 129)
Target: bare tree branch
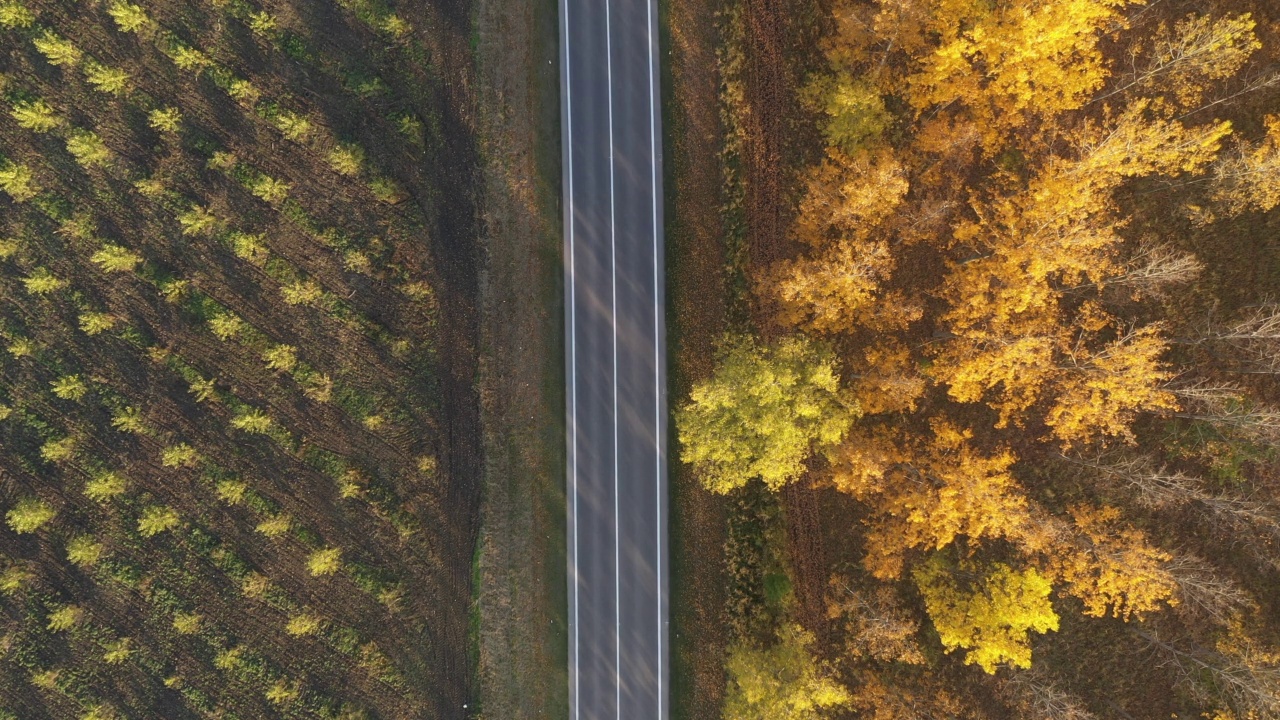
point(1035, 696)
point(1203, 593)
point(1243, 675)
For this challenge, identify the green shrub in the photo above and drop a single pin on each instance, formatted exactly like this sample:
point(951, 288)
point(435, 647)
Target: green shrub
point(50, 679)
point(14, 578)
point(302, 292)
point(36, 115)
point(294, 126)
point(157, 519)
point(84, 551)
point(282, 692)
point(244, 92)
point(181, 455)
point(129, 419)
point(14, 14)
point(226, 325)
point(22, 347)
point(230, 659)
point(117, 652)
point(281, 358)
point(197, 221)
point(275, 526)
point(129, 17)
point(17, 181)
point(65, 618)
point(252, 421)
point(69, 387)
point(58, 450)
point(165, 120)
point(95, 323)
point(187, 623)
point(106, 79)
point(387, 190)
point(88, 149)
point(395, 26)
point(203, 389)
point(232, 492)
point(302, 625)
point(57, 50)
point(262, 23)
point(347, 159)
point(251, 248)
point(173, 290)
point(269, 189)
point(188, 58)
point(105, 486)
point(100, 712)
point(411, 127)
point(43, 282)
point(29, 515)
point(324, 562)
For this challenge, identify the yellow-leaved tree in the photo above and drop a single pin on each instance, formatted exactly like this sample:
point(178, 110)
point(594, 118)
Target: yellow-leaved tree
point(925, 492)
point(989, 611)
point(1111, 567)
point(1012, 63)
point(1250, 179)
point(763, 413)
point(976, 251)
point(848, 198)
point(784, 680)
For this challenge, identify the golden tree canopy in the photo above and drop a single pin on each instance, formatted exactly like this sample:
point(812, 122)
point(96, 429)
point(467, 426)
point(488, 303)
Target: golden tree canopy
point(991, 617)
point(763, 413)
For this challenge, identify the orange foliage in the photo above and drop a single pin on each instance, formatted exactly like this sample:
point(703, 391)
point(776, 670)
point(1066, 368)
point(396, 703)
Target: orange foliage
point(1111, 567)
point(963, 241)
point(926, 492)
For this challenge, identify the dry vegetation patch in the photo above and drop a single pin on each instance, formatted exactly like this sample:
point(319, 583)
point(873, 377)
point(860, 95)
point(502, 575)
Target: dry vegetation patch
point(520, 618)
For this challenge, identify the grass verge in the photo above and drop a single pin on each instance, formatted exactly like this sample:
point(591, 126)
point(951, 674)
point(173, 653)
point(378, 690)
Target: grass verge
point(519, 616)
point(697, 315)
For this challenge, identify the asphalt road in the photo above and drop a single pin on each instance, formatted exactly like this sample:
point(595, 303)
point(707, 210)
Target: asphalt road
point(615, 360)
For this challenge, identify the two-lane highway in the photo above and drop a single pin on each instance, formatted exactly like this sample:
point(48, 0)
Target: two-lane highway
point(615, 360)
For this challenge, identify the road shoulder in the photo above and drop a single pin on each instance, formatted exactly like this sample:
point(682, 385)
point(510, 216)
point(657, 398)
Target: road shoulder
point(518, 621)
point(696, 316)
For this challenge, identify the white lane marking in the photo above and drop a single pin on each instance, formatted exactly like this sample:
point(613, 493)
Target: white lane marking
point(574, 355)
point(613, 268)
point(657, 360)
point(573, 352)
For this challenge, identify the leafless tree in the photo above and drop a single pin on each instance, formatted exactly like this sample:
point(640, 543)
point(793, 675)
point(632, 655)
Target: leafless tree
point(1261, 324)
point(1252, 523)
point(1155, 268)
point(1033, 694)
point(1237, 671)
point(1157, 487)
point(1255, 340)
point(1228, 408)
point(1204, 594)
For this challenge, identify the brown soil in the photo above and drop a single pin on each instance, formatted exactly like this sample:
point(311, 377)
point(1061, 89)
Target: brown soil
point(779, 135)
point(806, 551)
